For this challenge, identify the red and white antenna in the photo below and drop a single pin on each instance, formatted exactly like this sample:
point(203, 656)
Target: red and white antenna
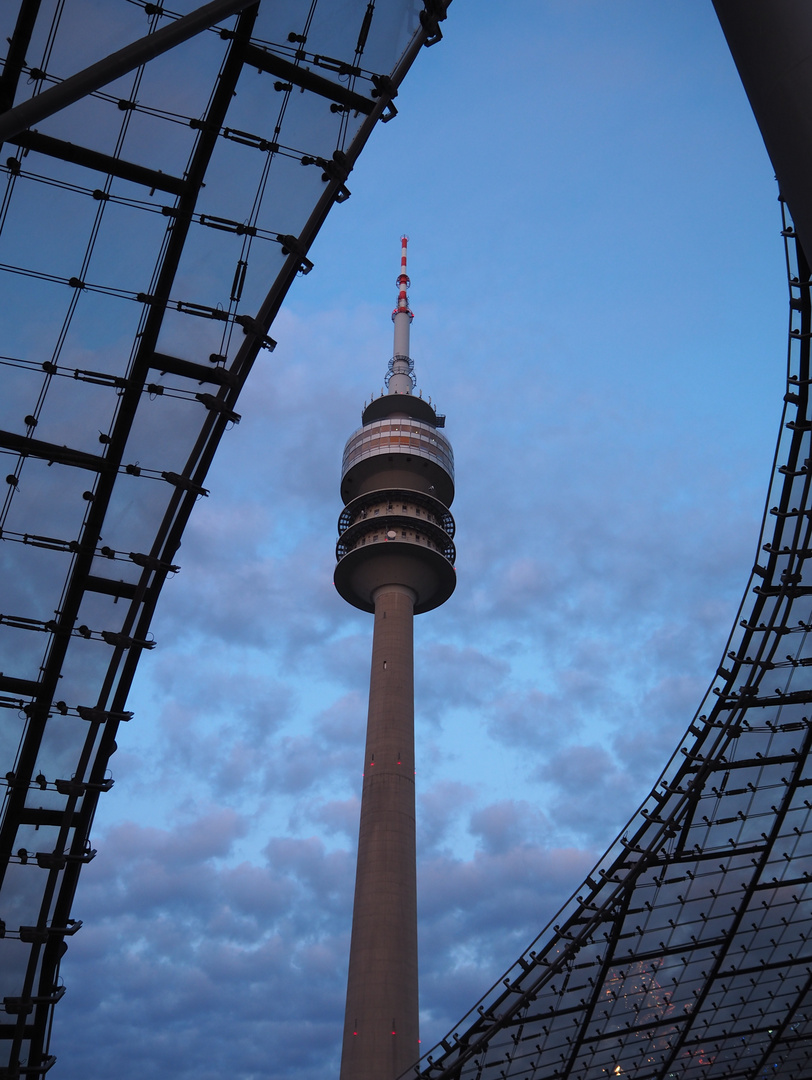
point(400, 380)
point(403, 282)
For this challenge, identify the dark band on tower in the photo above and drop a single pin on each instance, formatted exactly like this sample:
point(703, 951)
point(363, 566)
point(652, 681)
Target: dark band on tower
point(395, 558)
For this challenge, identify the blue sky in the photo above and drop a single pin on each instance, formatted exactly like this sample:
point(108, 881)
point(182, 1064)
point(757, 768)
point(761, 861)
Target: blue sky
point(600, 309)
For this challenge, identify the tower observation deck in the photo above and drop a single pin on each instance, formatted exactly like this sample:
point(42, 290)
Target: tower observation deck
point(395, 558)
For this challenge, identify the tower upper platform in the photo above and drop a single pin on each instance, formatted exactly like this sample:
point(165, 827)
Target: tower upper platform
point(397, 483)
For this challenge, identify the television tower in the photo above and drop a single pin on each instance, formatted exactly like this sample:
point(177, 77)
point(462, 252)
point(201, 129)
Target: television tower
point(395, 558)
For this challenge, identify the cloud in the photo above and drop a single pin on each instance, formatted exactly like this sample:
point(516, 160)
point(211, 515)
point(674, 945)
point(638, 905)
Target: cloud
point(337, 816)
point(440, 809)
point(507, 824)
point(188, 941)
point(468, 927)
point(447, 676)
point(591, 790)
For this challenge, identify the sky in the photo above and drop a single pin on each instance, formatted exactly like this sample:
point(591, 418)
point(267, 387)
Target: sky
point(600, 309)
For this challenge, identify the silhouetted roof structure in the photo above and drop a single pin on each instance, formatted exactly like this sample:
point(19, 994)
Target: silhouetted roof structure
point(157, 203)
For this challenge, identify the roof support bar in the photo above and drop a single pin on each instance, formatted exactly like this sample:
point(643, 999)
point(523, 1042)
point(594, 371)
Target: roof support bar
point(307, 79)
point(64, 455)
point(103, 163)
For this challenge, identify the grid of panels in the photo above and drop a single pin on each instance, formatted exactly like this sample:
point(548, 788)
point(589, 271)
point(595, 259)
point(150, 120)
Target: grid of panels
point(687, 951)
point(149, 231)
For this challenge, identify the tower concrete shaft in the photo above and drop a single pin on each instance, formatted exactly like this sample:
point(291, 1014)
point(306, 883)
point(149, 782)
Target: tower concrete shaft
point(395, 558)
point(381, 1024)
